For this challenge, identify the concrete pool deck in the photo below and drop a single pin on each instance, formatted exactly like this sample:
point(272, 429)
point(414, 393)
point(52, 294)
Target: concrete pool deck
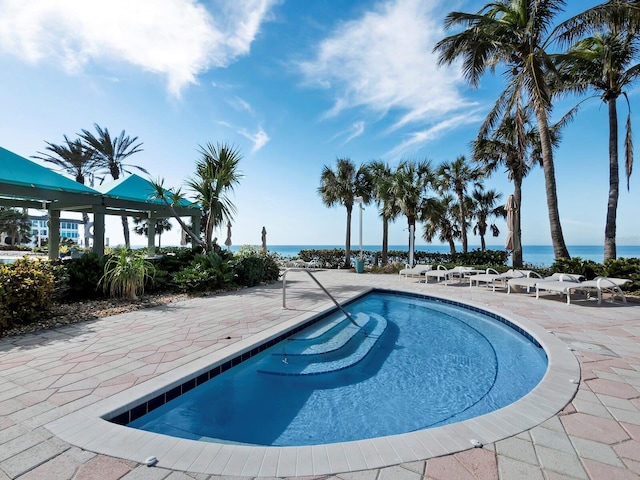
point(46, 377)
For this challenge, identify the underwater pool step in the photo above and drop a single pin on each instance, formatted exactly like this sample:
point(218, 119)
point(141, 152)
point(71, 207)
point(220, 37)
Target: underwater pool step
point(336, 337)
point(367, 338)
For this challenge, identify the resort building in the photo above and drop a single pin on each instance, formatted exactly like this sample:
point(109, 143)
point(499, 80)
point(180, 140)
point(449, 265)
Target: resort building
point(40, 230)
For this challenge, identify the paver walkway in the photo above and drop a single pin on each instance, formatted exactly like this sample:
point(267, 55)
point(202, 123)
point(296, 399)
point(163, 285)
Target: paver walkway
point(51, 374)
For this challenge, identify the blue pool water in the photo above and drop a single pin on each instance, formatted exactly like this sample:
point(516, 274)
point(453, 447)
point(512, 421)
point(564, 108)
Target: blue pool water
point(417, 363)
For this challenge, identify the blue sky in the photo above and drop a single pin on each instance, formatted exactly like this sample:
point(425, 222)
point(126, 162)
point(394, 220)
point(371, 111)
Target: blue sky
point(294, 85)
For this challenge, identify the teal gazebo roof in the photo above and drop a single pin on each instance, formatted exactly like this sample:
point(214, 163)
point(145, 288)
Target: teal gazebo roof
point(17, 170)
point(31, 184)
point(137, 189)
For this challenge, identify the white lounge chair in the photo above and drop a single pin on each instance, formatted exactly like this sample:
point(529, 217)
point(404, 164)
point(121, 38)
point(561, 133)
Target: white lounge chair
point(447, 274)
point(564, 285)
point(531, 281)
point(415, 272)
point(440, 273)
point(461, 272)
point(494, 279)
point(601, 285)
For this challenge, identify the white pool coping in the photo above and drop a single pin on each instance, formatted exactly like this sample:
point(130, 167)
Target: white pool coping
point(87, 428)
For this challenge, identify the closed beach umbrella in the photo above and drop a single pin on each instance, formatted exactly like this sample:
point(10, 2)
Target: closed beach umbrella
point(512, 234)
point(227, 242)
point(264, 240)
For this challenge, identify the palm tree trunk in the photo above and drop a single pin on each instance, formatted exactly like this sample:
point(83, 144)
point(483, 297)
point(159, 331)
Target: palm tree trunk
point(125, 231)
point(347, 256)
point(614, 182)
point(517, 196)
point(208, 234)
point(557, 239)
point(452, 247)
point(385, 240)
point(483, 245)
point(463, 221)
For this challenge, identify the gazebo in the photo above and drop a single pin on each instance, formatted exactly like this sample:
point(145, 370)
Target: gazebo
point(26, 184)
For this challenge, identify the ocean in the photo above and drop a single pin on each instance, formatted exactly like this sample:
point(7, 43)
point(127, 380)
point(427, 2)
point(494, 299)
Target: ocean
point(536, 255)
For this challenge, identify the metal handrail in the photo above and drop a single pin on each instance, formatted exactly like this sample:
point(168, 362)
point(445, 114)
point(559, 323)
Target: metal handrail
point(284, 291)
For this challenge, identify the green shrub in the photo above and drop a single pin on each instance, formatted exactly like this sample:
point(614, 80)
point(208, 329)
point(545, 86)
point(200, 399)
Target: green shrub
point(482, 258)
point(327, 258)
point(249, 271)
point(206, 272)
point(26, 291)
point(174, 259)
point(271, 266)
point(588, 268)
point(84, 274)
point(624, 268)
point(125, 274)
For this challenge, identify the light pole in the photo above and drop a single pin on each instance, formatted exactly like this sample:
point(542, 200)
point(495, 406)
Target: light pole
point(360, 201)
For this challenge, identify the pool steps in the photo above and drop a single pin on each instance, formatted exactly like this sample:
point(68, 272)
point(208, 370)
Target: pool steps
point(336, 348)
point(326, 338)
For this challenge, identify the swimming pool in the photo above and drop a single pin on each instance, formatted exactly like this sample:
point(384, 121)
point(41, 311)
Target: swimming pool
point(416, 363)
point(98, 428)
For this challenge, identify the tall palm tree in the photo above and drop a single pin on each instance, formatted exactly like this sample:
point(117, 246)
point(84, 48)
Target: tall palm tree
point(513, 33)
point(606, 64)
point(342, 186)
point(110, 153)
point(382, 180)
point(215, 178)
point(485, 209)
point(514, 144)
point(73, 158)
point(456, 176)
point(409, 189)
point(440, 219)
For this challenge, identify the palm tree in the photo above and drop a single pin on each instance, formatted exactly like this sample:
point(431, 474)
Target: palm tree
point(382, 180)
point(172, 197)
point(409, 187)
point(15, 224)
point(455, 176)
point(215, 178)
point(440, 220)
point(604, 63)
point(485, 208)
point(73, 158)
point(161, 225)
point(110, 154)
point(342, 186)
point(513, 33)
point(514, 144)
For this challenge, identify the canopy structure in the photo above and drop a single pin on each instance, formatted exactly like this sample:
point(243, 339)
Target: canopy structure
point(26, 184)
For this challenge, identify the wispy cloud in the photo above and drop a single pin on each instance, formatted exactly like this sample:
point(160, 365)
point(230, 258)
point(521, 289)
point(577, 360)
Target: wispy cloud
point(259, 139)
point(240, 104)
point(416, 139)
point(355, 130)
point(383, 62)
point(175, 38)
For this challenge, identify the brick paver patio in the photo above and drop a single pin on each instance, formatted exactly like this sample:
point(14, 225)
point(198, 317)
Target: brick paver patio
point(49, 375)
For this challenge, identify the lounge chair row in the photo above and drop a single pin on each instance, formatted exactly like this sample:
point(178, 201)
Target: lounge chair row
point(566, 284)
point(563, 283)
